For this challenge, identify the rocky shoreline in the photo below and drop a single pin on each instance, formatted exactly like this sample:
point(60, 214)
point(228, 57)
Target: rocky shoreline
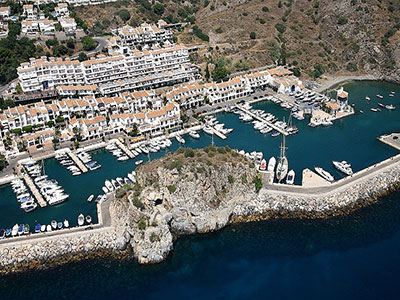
point(182, 194)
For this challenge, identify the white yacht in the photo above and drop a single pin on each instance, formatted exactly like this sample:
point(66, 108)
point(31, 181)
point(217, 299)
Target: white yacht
point(194, 134)
point(208, 129)
point(180, 139)
point(290, 177)
point(105, 190)
point(81, 219)
point(138, 162)
point(109, 185)
point(283, 165)
point(271, 164)
point(91, 197)
point(66, 223)
point(343, 166)
point(324, 174)
point(123, 158)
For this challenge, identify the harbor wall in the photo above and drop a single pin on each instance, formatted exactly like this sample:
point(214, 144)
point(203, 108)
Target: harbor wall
point(121, 239)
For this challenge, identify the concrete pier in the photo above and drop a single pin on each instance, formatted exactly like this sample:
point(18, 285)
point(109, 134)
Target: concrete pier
point(76, 160)
point(34, 190)
point(392, 140)
point(273, 126)
point(219, 134)
point(123, 148)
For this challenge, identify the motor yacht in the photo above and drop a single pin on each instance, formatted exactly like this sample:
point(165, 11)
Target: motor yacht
point(324, 174)
point(194, 134)
point(343, 166)
point(88, 219)
point(90, 198)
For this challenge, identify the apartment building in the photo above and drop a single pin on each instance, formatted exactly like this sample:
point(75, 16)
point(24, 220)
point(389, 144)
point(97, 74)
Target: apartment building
point(188, 96)
point(136, 70)
point(232, 89)
point(29, 27)
point(46, 26)
point(134, 37)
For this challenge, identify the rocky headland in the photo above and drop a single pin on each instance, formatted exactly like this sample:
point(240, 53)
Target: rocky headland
point(195, 191)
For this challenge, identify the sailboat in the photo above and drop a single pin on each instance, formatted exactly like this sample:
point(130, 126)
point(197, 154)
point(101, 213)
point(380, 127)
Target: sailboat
point(283, 165)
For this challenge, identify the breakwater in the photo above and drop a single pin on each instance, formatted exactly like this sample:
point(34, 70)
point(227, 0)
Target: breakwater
point(182, 213)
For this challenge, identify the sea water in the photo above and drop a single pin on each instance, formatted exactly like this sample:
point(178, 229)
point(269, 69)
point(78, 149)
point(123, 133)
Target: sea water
point(349, 257)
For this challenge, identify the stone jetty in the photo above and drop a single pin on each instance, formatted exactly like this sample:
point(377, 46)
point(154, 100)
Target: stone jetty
point(196, 191)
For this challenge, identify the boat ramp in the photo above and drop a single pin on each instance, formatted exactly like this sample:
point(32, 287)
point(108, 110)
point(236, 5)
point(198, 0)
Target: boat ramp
point(272, 125)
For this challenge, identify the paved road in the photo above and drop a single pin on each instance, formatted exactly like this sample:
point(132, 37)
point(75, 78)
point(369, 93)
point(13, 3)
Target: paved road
point(102, 44)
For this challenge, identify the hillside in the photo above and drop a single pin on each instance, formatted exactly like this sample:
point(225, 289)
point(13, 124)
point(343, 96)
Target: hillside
point(346, 36)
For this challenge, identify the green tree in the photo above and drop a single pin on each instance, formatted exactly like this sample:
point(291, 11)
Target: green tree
point(82, 56)
point(252, 35)
point(158, 8)
point(3, 162)
point(221, 72)
point(88, 43)
point(207, 75)
point(124, 15)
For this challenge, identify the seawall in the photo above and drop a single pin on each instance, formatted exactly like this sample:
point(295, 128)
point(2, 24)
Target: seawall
point(182, 217)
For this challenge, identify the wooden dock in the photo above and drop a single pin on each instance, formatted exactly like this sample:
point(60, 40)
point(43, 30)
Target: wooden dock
point(77, 161)
point(34, 190)
point(273, 126)
point(124, 148)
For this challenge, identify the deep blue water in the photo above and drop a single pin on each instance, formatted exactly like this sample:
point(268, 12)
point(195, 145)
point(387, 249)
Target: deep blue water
point(345, 257)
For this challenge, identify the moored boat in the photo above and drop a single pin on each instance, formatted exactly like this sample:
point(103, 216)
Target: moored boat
point(88, 219)
point(81, 219)
point(53, 224)
point(37, 228)
point(283, 164)
point(343, 166)
point(42, 228)
point(91, 197)
point(324, 174)
point(263, 165)
point(381, 104)
point(66, 223)
point(59, 225)
point(290, 177)
point(105, 190)
point(138, 162)
point(109, 185)
point(379, 96)
point(48, 228)
point(271, 164)
point(194, 134)
point(390, 107)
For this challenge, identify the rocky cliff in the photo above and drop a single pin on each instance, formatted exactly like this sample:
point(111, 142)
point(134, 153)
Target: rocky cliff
point(190, 191)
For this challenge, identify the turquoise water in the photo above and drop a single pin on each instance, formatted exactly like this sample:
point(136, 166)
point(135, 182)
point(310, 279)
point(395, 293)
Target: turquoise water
point(349, 257)
point(352, 138)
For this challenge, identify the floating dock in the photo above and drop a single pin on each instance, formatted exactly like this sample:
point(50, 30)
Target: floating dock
point(78, 162)
point(273, 126)
point(34, 190)
point(124, 148)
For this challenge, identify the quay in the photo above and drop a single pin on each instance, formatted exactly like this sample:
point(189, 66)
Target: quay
point(123, 148)
point(279, 129)
point(392, 140)
point(76, 160)
point(34, 190)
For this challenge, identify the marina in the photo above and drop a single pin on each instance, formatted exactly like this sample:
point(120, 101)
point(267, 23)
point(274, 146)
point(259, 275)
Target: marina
point(313, 145)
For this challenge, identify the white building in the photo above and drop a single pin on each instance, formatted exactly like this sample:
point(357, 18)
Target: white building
point(232, 89)
point(29, 27)
point(5, 11)
point(61, 10)
point(29, 12)
point(68, 24)
point(188, 96)
point(145, 34)
point(112, 74)
point(46, 26)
